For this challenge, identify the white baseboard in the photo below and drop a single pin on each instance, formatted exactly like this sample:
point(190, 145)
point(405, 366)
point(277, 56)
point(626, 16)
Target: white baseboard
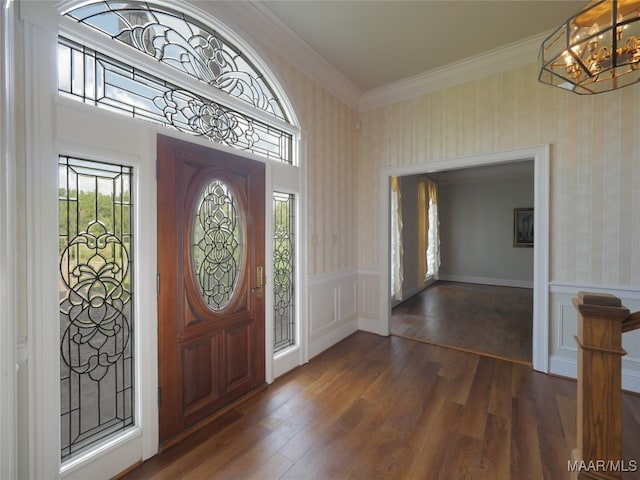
point(369, 325)
point(566, 367)
point(333, 336)
point(286, 361)
point(502, 282)
point(412, 291)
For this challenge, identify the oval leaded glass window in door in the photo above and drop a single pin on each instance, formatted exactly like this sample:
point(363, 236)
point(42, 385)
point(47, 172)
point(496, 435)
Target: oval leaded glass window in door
point(217, 244)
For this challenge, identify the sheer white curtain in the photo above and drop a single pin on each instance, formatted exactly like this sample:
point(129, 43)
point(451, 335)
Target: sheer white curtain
point(397, 276)
point(433, 232)
point(423, 227)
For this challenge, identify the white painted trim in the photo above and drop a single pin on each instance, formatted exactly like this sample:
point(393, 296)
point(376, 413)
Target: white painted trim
point(286, 361)
point(542, 209)
point(540, 156)
point(333, 277)
point(563, 366)
point(568, 368)
point(568, 288)
point(42, 255)
point(502, 282)
point(302, 311)
point(269, 320)
point(363, 271)
point(8, 244)
point(331, 337)
point(567, 365)
point(487, 63)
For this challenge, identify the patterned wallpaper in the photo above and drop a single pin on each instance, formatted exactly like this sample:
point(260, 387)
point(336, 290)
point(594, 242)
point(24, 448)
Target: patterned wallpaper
point(595, 162)
point(328, 129)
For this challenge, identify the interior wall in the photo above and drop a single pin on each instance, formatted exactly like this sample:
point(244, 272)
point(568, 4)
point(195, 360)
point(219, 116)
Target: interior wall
point(476, 231)
point(329, 153)
point(329, 146)
point(594, 206)
point(595, 162)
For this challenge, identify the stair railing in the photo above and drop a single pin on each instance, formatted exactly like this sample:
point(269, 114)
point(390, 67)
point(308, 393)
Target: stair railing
point(602, 319)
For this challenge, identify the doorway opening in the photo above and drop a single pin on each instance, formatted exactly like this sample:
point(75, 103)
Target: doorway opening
point(482, 299)
point(539, 156)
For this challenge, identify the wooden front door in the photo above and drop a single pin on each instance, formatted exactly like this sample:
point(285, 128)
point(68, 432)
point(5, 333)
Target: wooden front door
point(211, 333)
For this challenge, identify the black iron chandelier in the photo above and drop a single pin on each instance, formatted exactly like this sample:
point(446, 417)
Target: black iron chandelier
point(596, 50)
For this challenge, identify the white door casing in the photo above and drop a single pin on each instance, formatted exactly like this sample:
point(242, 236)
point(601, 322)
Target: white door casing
point(540, 157)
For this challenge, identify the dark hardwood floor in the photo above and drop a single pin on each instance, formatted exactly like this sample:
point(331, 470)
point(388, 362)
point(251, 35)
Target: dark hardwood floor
point(375, 407)
point(491, 320)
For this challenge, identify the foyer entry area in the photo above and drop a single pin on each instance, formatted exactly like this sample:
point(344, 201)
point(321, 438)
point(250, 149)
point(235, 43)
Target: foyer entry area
point(488, 320)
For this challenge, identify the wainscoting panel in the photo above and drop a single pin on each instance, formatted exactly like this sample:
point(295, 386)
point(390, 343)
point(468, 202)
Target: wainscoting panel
point(564, 327)
point(333, 313)
point(368, 305)
point(347, 299)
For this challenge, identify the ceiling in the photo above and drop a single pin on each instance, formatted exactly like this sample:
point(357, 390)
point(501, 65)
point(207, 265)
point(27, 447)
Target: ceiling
point(374, 43)
point(508, 170)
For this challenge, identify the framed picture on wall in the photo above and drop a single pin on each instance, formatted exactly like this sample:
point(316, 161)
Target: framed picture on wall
point(523, 227)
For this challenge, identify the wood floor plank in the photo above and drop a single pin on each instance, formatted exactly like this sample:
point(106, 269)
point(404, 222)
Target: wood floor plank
point(474, 419)
point(433, 455)
point(488, 319)
point(377, 407)
point(275, 467)
point(500, 397)
point(495, 458)
point(464, 456)
point(525, 442)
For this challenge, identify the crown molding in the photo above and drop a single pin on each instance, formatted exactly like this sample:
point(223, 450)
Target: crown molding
point(504, 58)
point(263, 30)
point(253, 20)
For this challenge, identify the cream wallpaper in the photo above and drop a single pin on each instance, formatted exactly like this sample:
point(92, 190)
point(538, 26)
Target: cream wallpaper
point(595, 162)
point(328, 129)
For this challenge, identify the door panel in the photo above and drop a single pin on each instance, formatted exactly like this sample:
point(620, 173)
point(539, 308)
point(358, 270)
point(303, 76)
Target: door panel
point(198, 390)
point(238, 359)
point(211, 313)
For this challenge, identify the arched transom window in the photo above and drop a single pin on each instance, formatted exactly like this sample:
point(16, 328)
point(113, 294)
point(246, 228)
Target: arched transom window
point(242, 110)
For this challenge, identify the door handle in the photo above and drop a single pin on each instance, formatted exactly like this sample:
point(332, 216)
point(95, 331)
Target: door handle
point(260, 282)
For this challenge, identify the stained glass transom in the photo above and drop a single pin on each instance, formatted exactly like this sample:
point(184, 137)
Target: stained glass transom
point(97, 79)
point(284, 270)
point(185, 44)
point(217, 244)
point(96, 302)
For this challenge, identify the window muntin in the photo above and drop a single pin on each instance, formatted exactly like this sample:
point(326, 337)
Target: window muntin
point(284, 227)
point(96, 302)
point(185, 44)
point(97, 79)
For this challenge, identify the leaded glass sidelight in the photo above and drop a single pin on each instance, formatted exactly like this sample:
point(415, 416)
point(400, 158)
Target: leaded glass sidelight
point(284, 270)
point(218, 247)
point(96, 302)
